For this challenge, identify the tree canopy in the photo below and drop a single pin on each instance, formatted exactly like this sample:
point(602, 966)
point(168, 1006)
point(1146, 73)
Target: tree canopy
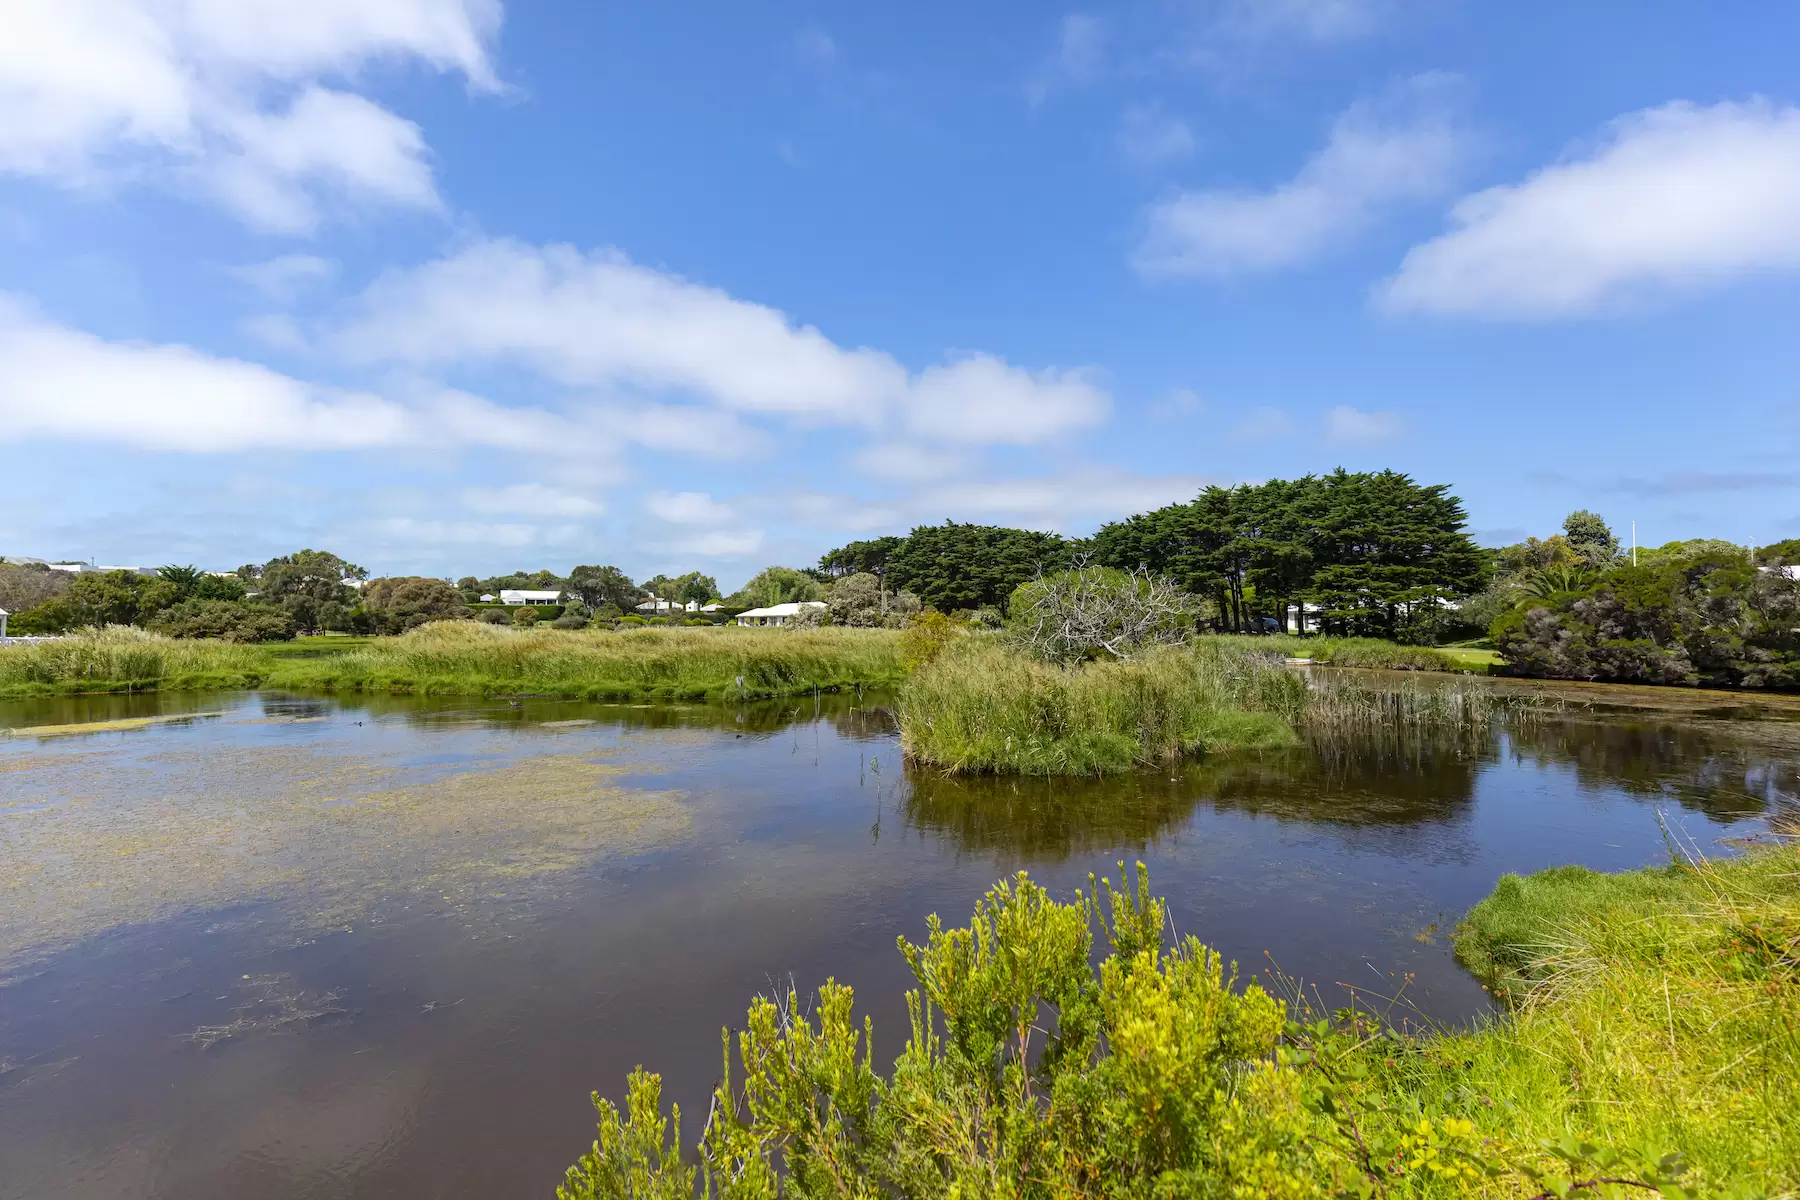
point(953, 566)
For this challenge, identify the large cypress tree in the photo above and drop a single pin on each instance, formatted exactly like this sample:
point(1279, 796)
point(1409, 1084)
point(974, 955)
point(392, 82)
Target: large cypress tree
point(952, 566)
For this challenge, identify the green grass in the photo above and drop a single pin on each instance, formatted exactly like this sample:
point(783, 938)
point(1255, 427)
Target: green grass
point(1346, 652)
point(1656, 1008)
point(981, 706)
point(466, 658)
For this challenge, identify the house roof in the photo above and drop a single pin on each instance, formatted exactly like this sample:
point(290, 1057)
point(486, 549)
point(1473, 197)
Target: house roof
point(782, 610)
point(525, 594)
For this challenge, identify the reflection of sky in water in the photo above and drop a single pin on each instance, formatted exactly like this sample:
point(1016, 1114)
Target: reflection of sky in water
point(548, 894)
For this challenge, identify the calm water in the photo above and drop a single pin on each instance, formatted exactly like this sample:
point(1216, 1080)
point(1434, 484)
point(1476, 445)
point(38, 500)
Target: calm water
point(285, 947)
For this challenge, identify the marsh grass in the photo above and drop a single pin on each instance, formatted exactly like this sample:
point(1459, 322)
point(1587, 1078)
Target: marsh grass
point(466, 658)
point(1344, 652)
point(1652, 1008)
point(982, 706)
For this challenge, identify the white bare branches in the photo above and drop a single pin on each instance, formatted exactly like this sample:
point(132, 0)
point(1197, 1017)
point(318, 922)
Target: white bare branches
point(1089, 612)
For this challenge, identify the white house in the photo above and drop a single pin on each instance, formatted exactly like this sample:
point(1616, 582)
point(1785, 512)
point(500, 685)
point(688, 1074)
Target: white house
point(776, 614)
point(663, 608)
point(521, 596)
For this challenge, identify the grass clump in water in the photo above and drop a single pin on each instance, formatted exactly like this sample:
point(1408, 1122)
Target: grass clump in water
point(466, 658)
point(982, 706)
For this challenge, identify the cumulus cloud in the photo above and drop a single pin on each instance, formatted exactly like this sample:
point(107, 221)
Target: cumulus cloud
point(1350, 426)
point(65, 384)
point(1055, 502)
point(983, 400)
point(225, 95)
point(907, 462)
point(600, 321)
point(1379, 156)
point(1671, 198)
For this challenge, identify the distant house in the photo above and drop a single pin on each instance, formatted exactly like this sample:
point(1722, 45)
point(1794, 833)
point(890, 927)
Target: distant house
point(661, 607)
point(776, 614)
point(518, 596)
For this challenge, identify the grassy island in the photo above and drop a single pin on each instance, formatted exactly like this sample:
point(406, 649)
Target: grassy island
point(1650, 1047)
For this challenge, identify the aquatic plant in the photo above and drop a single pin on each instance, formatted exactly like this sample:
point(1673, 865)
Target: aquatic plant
point(982, 706)
point(471, 658)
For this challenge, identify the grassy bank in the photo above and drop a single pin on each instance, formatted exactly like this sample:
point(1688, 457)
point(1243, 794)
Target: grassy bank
point(1656, 1008)
point(1653, 1053)
point(983, 707)
point(465, 658)
point(1352, 652)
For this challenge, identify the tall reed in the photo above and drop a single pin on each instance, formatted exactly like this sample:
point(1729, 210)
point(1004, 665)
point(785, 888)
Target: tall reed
point(982, 706)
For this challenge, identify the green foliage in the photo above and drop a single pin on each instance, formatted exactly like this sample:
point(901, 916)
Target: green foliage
point(777, 585)
point(1708, 618)
point(952, 566)
point(1780, 554)
point(404, 602)
point(225, 620)
point(98, 599)
point(980, 706)
point(861, 600)
point(1660, 1063)
point(1381, 553)
point(693, 586)
point(473, 659)
point(1344, 651)
point(861, 558)
point(926, 636)
point(1591, 538)
point(1097, 612)
point(311, 586)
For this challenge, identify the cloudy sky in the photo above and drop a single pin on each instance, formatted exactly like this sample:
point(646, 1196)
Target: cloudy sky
point(455, 286)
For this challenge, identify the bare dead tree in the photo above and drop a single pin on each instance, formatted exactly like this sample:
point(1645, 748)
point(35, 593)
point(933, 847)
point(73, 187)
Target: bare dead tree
point(1089, 611)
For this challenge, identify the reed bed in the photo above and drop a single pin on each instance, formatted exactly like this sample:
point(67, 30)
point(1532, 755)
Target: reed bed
point(982, 706)
point(466, 658)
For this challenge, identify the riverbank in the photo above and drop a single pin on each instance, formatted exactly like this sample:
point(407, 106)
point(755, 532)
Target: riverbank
point(466, 658)
point(1652, 1047)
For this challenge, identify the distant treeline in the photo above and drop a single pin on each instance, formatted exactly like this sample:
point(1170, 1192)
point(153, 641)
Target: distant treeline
point(1365, 554)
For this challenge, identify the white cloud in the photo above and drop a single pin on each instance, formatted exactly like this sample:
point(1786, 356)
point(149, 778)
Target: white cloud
point(1149, 137)
point(716, 544)
point(224, 96)
point(603, 321)
point(1674, 197)
point(530, 499)
point(688, 508)
point(65, 384)
point(1179, 404)
point(1350, 426)
point(285, 278)
point(1378, 156)
point(983, 400)
point(599, 321)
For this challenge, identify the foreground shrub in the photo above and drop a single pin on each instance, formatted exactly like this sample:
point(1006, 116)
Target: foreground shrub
point(1157, 1076)
point(224, 620)
point(981, 706)
point(1030, 1070)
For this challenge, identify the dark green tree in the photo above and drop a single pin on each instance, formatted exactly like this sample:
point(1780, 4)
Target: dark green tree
point(1590, 537)
point(311, 585)
point(597, 587)
point(952, 566)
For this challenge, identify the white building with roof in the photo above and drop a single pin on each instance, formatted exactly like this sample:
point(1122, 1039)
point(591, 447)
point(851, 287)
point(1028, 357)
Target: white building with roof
point(776, 614)
point(526, 596)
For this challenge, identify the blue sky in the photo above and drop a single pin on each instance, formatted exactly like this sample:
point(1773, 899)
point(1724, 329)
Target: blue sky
point(452, 286)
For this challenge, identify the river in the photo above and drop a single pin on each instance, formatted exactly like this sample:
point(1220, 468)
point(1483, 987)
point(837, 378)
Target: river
point(283, 947)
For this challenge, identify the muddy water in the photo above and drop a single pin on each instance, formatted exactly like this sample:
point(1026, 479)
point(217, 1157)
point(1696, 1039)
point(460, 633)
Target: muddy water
point(285, 947)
